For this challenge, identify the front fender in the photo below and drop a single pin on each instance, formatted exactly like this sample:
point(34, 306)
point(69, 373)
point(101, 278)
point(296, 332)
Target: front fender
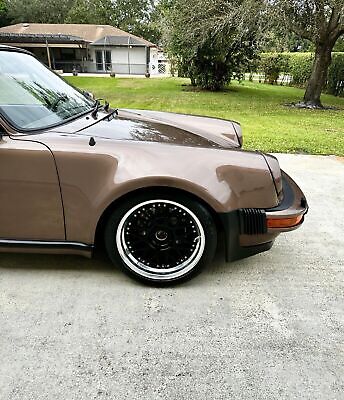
point(93, 177)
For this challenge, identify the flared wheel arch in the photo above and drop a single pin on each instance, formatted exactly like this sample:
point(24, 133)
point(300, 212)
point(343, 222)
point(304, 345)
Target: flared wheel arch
point(99, 234)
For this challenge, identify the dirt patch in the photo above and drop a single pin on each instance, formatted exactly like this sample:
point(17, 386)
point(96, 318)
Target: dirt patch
point(302, 105)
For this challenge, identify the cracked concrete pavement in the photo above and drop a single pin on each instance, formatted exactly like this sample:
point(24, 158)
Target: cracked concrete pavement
point(268, 327)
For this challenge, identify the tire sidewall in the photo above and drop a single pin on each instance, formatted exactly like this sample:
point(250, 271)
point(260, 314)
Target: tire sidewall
point(195, 207)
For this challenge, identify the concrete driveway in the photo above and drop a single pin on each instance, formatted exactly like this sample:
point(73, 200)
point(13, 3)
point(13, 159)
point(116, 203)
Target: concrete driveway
point(268, 327)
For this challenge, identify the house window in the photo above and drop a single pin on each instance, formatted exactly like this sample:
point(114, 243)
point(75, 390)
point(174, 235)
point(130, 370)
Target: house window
point(103, 61)
point(107, 59)
point(161, 68)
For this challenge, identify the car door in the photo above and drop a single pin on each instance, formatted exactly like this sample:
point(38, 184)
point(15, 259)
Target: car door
point(30, 198)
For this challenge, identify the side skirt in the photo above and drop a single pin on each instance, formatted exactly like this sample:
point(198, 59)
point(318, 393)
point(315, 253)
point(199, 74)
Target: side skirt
point(47, 247)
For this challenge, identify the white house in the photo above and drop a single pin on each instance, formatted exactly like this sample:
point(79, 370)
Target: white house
point(87, 48)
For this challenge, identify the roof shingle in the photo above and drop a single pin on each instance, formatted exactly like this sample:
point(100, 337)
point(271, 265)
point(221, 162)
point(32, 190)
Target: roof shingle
point(88, 32)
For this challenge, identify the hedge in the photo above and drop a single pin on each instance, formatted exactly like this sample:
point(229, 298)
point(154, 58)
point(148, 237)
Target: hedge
point(335, 78)
point(299, 67)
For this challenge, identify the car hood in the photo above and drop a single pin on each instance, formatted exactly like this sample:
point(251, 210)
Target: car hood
point(163, 127)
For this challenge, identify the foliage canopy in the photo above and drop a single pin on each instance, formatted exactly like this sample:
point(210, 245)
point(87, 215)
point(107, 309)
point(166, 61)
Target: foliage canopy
point(213, 41)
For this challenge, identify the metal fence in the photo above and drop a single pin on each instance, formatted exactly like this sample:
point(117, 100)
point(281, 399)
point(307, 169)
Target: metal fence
point(69, 66)
point(90, 66)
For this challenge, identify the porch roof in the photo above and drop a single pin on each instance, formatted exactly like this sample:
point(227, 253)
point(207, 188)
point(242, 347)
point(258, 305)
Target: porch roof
point(39, 38)
point(120, 41)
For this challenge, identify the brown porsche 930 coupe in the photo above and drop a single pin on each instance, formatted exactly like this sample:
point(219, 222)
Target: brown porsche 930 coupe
point(155, 188)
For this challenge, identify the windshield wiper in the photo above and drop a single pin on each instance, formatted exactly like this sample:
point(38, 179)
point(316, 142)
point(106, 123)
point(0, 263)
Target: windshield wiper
point(59, 100)
point(52, 105)
point(98, 106)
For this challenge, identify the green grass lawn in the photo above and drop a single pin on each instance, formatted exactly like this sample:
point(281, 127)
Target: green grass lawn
point(268, 125)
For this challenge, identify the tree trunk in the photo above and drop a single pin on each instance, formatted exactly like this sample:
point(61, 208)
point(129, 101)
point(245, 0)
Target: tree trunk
point(318, 77)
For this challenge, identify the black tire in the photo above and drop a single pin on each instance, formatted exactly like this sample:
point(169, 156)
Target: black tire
point(148, 228)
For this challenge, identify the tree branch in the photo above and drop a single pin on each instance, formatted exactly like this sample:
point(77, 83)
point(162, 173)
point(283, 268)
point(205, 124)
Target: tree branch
point(334, 20)
point(335, 34)
point(301, 32)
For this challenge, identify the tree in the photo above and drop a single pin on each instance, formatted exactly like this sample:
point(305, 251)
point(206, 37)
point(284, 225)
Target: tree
point(4, 20)
point(90, 12)
point(212, 41)
point(279, 40)
point(322, 23)
point(39, 11)
point(135, 16)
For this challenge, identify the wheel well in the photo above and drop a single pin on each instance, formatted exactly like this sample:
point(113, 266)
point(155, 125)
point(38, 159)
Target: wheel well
point(160, 189)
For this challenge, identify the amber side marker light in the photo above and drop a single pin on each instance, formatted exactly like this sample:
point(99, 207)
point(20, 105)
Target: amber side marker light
point(284, 222)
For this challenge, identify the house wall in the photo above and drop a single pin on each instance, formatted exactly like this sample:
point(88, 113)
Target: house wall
point(159, 64)
point(65, 58)
point(153, 65)
point(124, 60)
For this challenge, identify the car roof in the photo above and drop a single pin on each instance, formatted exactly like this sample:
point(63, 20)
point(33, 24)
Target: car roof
point(4, 47)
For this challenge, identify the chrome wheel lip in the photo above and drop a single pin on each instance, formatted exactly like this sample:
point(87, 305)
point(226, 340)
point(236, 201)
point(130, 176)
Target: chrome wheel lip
point(156, 273)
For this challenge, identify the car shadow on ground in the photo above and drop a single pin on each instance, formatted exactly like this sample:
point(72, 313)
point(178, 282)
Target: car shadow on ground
point(55, 262)
point(100, 264)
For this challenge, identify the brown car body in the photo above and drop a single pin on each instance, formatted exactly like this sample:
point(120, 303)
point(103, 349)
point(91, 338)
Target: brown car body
point(58, 185)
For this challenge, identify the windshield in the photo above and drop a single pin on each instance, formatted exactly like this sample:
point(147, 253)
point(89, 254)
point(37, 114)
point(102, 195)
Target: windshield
point(32, 97)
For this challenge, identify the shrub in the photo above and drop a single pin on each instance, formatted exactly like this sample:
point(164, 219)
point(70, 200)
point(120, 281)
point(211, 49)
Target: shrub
point(335, 80)
point(214, 47)
point(272, 65)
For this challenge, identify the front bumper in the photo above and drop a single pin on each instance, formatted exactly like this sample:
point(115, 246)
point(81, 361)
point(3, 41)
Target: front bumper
point(289, 214)
point(251, 231)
